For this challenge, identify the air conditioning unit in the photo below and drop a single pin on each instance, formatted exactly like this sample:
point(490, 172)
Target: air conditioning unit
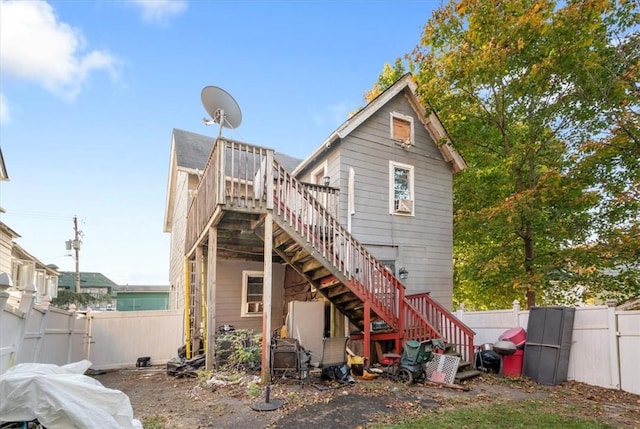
point(403, 206)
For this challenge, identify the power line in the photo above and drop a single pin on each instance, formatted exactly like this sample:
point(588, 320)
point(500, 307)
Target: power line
point(37, 215)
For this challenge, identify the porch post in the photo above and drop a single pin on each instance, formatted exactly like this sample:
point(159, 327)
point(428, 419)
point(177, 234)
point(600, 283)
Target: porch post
point(211, 298)
point(268, 288)
point(367, 331)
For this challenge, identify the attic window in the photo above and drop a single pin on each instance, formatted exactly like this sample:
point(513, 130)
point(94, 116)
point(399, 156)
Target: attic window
point(402, 128)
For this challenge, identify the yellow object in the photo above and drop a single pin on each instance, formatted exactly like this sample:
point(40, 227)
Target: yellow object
point(355, 360)
point(283, 331)
point(366, 375)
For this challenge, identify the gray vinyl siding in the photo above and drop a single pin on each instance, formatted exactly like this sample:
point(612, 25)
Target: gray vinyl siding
point(424, 241)
point(229, 295)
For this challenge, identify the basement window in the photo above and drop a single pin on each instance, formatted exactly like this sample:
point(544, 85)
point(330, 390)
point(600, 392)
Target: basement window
point(252, 293)
point(401, 127)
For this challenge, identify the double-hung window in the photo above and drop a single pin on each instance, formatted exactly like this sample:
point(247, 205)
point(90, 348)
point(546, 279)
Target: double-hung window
point(401, 194)
point(252, 293)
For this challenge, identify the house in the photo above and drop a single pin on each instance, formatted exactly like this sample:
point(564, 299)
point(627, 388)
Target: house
point(21, 267)
point(364, 223)
point(142, 297)
point(27, 270)
point(97, 285)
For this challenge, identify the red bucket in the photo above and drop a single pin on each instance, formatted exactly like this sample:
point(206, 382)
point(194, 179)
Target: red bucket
point(517, 336)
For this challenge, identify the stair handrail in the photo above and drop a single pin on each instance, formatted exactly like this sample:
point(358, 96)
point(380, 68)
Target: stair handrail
point(450, 327)
point(371, 280)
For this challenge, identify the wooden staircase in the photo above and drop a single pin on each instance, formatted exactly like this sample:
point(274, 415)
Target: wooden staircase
point(241, 183)
point(308, 238)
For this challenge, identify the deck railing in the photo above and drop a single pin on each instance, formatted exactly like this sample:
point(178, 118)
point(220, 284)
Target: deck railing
point(366, 276)
point(235, 177)
point(450, 327)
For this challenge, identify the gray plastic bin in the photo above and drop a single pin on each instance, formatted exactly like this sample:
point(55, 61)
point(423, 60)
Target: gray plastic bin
point(548, 345)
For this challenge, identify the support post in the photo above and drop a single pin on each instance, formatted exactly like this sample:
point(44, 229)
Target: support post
point(367, 331)
point(187, 310)
point(612, 338)
point(197, 304)
point(516, 313)
point(268, 289)
point(211, 297)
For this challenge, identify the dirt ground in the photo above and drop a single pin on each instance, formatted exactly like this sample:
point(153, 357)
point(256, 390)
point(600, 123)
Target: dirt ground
point(164, 401)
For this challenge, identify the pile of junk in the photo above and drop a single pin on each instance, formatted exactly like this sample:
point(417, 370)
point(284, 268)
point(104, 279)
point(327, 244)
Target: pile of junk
point(503, 357)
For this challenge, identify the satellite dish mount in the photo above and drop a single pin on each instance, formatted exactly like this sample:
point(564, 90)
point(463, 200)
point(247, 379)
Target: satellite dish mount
point(221, 107)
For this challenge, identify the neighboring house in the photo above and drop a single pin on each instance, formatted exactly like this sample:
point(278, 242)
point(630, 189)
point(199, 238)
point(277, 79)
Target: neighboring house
point(7, 235)
point(94, 284)
point(142, 297)
point(23, 268)
point(27, 270)
point(364, 223)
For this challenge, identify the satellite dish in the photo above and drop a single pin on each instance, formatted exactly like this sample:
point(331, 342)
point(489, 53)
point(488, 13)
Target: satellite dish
point(222, 108)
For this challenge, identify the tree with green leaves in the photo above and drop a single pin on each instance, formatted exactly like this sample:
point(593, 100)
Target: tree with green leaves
point(81, 300)
point(542, 101)
point(387, 77)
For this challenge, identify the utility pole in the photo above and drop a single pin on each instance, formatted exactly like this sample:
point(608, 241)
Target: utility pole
point(76, 248)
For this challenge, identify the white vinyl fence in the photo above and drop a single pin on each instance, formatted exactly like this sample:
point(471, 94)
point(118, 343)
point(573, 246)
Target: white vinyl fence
point(604, 351)
point(605, 342)
point(42, 334)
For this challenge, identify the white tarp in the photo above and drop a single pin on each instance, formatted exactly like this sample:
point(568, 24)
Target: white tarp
point(62, 397)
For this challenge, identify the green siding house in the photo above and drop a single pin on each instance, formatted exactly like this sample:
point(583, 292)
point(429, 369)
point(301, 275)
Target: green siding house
point(142, 297)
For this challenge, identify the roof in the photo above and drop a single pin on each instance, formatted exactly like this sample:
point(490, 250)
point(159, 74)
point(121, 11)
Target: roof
point(142, 289)
point(430, 121)
point(18, 252)
point(192, 150)
point(4, 175)
point(67, 279)
point(10, 232)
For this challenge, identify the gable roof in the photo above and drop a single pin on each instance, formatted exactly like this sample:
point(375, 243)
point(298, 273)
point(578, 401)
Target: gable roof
point(431, 123)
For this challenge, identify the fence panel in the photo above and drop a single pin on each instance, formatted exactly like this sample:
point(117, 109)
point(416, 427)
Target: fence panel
point(590, 358)
point(119, 338)
point(629, 346)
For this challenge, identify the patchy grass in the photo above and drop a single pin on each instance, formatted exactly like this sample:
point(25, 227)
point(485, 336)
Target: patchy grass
point(154, 422)
point(512, 414)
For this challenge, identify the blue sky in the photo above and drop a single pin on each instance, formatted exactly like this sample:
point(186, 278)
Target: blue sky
point(90, 91)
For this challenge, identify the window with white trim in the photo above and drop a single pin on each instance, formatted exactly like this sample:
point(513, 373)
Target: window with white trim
point(401, 194)
point(252, 293)
point(401, 128)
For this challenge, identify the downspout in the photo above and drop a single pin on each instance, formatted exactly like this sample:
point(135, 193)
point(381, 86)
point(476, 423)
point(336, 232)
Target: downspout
point(187, 307)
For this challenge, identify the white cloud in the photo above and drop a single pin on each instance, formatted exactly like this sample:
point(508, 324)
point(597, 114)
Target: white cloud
point(35, 46)
point(159, 11)
point(5, 115)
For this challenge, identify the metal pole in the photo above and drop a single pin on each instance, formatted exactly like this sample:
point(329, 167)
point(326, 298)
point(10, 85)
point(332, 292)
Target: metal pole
point(76, 247)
